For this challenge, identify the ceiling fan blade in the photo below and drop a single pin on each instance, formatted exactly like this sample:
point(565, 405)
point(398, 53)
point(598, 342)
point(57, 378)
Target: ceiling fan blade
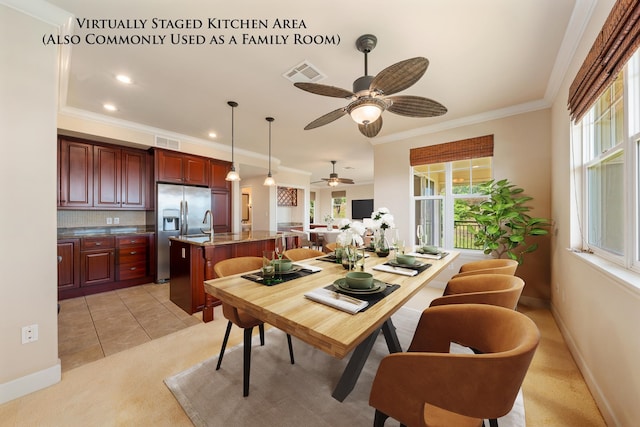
point(326, 119)
point(324, 90)
point(346, 181)
point(399, 76)
point(371, 129)
point(415, 106)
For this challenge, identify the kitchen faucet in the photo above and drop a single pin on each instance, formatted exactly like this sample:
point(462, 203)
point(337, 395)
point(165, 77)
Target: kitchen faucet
point(204, 221)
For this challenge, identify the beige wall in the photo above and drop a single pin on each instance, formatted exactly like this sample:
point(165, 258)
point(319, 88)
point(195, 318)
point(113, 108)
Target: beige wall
point(354, 192)
point(28, 245)
point(597, 307)
point(521, 154)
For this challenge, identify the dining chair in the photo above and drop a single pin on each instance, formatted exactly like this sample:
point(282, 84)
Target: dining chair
point(299, 254)
point(330, 247)
point(239, 317)
point(495, 266)
point(303, 238)
point(495, 289)
point(428, 386)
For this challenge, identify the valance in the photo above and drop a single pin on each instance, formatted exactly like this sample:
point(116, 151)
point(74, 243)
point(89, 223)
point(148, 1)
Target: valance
point(472, 148)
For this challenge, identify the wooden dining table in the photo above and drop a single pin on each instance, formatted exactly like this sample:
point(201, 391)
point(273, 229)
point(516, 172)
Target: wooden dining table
point(337, 333)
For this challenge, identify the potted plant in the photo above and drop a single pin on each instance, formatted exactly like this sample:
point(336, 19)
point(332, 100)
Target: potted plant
point(503, 221)
point(382, 220)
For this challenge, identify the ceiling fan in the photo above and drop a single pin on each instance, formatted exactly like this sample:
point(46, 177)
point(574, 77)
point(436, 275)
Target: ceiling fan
point(371, 94)
point(333, 179)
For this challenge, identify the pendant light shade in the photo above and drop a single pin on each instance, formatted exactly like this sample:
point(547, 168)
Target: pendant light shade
point(269, 181)
point(232, 175)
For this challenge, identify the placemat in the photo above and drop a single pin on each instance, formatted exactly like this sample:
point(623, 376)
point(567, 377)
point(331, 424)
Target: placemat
point(257, 277)
point(373, 299)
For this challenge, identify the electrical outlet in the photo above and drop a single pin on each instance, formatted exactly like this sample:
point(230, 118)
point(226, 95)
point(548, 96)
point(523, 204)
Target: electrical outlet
point(29, 333)
point(116, 220)
point(109, 221)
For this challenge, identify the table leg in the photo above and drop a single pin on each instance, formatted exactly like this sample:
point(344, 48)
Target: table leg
point(389, 331)
point(354, 367)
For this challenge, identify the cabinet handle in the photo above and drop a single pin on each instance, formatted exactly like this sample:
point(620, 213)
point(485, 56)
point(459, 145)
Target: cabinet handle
point(59, 259)
point(132, 241)
point(98, 243)
point(133, 268)
point(133, 252)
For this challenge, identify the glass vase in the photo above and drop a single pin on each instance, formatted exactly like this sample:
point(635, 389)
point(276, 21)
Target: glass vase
point(381, 243)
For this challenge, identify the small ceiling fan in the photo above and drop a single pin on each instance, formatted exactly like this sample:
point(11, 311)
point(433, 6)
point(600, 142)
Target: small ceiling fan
point(370, 95)
point(333, 179)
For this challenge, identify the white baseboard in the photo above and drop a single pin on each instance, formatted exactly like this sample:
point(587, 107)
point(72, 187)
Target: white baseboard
point(30, 383)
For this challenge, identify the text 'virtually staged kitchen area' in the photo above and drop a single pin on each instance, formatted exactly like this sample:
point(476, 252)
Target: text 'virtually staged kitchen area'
point(238, 214)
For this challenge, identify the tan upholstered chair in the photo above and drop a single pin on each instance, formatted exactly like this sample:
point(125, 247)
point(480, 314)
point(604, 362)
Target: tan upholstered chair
point(494, 289)
point(229, 267)
point(488, 266)
point(299, 254)
point(330, 247)
point(428, 386)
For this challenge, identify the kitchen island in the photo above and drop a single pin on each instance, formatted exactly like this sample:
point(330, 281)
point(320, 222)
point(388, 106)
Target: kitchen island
point(192, 259)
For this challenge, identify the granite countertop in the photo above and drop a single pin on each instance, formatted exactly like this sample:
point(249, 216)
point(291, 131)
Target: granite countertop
point(228, 238)
point(76, 232)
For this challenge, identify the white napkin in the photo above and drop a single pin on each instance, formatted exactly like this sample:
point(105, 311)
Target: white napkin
point(336, 300)
point(311, 268)
point(396, 270)
point(428, 256)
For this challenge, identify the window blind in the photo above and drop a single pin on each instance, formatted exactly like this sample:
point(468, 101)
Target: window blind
point(614, 45)
point(472, 148)
point(337, 194)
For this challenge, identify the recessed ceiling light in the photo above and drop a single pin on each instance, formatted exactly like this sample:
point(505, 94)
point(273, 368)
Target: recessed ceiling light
point(212, 135)
point(110, 107)
point(123, 79)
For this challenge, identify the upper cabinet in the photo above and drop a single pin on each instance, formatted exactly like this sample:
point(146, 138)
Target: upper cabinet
point(218, 174)
point(101, 176)
point(179, 168)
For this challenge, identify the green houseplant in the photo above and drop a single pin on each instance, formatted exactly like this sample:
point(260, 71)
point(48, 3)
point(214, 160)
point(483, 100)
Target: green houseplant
point(503, 222)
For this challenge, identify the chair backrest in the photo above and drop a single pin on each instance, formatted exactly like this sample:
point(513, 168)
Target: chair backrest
point(495, 289)
point(301, 253)
point(427, 378)
point(231, 266)
point(488, 266)
point(330, 247)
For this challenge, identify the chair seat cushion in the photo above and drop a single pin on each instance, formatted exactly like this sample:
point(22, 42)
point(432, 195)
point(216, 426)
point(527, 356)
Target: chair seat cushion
point(438, 417)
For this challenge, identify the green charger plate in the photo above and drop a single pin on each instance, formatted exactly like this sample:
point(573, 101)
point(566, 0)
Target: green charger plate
point(378, 286)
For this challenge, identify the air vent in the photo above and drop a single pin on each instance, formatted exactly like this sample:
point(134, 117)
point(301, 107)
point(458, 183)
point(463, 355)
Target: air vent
point(304, 72)
point(164, 142)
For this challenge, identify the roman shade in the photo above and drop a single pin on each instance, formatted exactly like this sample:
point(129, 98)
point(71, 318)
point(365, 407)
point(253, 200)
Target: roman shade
point(615, 44)
point(338, 194)
point(472, 148)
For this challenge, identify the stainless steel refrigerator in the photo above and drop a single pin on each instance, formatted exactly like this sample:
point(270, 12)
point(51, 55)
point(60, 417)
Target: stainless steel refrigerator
point(180, 212)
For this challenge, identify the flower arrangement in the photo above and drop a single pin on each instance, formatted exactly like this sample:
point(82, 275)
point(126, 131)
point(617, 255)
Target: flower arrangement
point(328, 219)
point(382, 219)
point(351, 234)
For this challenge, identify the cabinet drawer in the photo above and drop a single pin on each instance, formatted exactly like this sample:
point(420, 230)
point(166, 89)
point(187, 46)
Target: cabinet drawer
point(132, 254)
point(133, 240)
point(105, 242)
point(132, 270)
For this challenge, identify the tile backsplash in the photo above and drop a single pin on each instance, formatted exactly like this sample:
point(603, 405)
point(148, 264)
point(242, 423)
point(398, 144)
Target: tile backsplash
point(77, 218)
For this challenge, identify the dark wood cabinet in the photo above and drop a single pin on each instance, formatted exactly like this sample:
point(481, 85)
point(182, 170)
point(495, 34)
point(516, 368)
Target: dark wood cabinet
point(75, 174)
point(106, 177)
point(181, 168)
point(97, 255)
point(218, 170)
point(221, 209)
point(94, 176)
point(132, 257)
point(68, 264)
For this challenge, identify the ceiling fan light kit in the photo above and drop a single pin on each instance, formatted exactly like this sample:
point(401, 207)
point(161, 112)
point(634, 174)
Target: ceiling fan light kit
point(269, 181)
point(333, 179)
point(371, 94)
point(232, 175)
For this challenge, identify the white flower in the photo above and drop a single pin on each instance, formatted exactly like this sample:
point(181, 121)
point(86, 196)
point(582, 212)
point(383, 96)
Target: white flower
point(351, 234)
point(382, 219)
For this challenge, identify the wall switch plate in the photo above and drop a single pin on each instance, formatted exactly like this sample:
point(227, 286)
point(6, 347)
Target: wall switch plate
point(109, 220)
point(29, 333)
point(116, 220)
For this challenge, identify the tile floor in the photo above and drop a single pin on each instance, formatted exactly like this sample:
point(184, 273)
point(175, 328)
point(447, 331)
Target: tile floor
point(95, 326)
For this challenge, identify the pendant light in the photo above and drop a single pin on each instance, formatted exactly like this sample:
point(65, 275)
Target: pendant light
point(269, 181)
point(232, 175)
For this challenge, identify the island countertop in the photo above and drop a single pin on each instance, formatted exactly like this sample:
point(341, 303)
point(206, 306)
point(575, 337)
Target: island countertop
point(229, 238)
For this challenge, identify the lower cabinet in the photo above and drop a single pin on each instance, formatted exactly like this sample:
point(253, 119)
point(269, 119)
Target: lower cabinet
point(132, 258)
point(97, 255)
point(68, 264)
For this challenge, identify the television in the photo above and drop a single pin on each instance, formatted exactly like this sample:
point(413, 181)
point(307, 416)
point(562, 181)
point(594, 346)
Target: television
point(361, 209)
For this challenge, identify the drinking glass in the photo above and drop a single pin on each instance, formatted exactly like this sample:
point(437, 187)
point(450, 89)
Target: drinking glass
point(268, 269)
point(396, 242)
point(420, 234)
point(281, 246)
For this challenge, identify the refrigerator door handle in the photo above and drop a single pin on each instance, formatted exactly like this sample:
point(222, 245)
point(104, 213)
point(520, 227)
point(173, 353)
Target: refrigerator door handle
point(186, 217)
point(181, 218)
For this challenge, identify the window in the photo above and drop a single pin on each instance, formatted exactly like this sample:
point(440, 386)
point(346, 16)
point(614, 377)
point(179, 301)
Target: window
point(444, 186)
point(339, 207)
point(608, 136)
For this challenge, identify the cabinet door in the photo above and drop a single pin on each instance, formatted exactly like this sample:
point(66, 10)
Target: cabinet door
point(169, 166)
point(134, 180)
point(75, 174)
point(98, 267)
point(68, 264)
point(221, 208)
point(106, 177)
point(218, 174)
point(196, 170)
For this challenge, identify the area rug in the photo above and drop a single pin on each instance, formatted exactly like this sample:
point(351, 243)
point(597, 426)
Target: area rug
point(285, 395)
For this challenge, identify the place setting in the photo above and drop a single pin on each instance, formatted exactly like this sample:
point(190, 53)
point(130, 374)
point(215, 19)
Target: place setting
point(276, 269)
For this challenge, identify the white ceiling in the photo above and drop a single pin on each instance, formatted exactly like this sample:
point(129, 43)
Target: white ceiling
point(486, 58)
